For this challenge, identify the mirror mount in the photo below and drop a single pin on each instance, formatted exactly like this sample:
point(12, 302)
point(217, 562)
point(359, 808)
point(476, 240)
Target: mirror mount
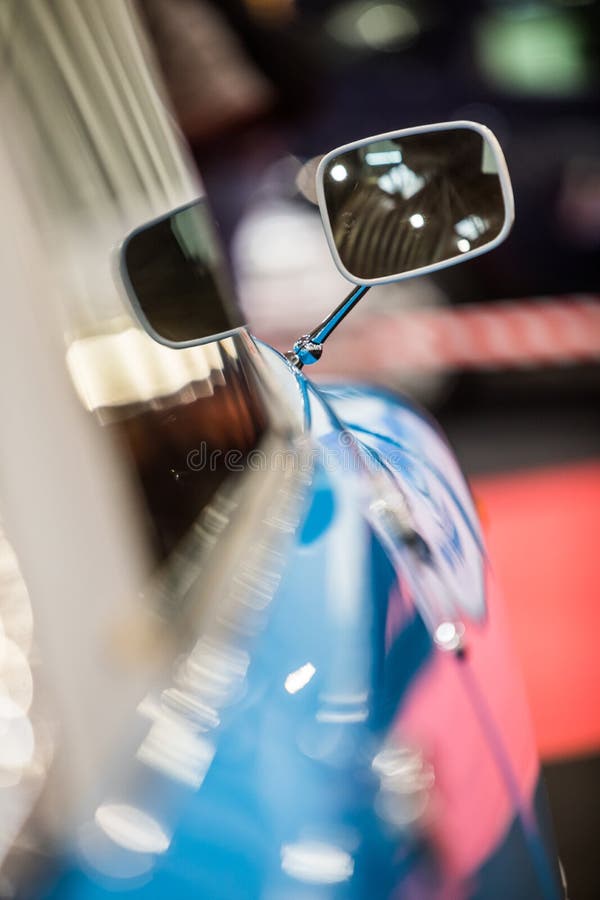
point(408, 203)
point(308, 349)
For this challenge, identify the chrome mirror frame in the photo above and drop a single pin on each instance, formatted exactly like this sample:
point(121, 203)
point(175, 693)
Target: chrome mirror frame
point(123, 280)
point(505, 185)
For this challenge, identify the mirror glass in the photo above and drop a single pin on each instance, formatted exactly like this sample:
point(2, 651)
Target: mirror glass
point(176, 277)
point(396, 205)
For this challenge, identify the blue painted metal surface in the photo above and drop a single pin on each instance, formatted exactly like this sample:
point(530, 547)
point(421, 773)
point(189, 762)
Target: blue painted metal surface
point(359, 759)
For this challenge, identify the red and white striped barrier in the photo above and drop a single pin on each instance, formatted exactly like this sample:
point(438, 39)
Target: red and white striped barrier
point(509, 334)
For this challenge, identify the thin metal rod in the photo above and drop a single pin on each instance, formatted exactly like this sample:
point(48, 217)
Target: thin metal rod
point(322, 331)
point(307, 349)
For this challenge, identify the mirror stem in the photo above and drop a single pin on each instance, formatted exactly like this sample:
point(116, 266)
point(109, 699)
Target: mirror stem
point(307, 349)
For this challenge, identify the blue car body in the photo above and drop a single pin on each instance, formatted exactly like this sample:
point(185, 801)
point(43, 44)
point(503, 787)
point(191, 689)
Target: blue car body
point(356, 756)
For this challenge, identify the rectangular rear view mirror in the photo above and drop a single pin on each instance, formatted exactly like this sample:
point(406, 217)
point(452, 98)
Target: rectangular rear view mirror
point(176, 278)
point(410, 202)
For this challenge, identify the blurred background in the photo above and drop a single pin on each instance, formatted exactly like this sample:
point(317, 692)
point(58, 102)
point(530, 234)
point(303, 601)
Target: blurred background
point(504, 349)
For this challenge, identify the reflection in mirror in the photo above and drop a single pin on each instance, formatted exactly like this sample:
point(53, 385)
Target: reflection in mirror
point(397, 205)
point(176, 278)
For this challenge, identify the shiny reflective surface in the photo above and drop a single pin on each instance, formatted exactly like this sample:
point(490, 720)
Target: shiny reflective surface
point(388, 763)
point(134, 490)
point(185, 419)
point(175, 275)
point(394, 205)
